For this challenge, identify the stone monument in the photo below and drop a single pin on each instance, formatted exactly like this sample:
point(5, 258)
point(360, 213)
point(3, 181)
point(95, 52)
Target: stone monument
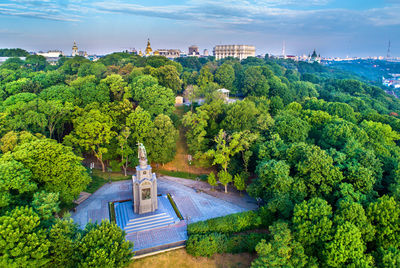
point(144, 185)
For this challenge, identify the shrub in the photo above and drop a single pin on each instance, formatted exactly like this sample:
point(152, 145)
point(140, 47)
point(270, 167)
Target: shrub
point(233, 223)
point(115, 166)
point(212, 243)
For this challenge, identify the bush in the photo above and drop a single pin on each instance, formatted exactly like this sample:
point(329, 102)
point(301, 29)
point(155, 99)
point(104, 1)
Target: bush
point(206, 245)
point(115, 166)
point(233, 223)
point(210, 244)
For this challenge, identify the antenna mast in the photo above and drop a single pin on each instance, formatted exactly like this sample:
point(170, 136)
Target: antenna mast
point(388, 51)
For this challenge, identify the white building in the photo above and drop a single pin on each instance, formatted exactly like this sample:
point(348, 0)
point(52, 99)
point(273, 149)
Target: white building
point(168, 53)
point(237, 51)
point(50, 53)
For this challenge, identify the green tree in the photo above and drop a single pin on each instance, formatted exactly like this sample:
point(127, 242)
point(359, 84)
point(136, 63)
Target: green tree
point(315, 167)
point(312, 224)
point(212, 180)
point(140, 125)
point(224, 178)
point(15, 182)
point(205, 77)
point(241, 115)
point(118, 87)
point(381, 136)
point(36, 62)
point(290, 127)
point(304, 90)
point(347, 247)
point(282, 251)
point(276, 187)
point(124, 149)
point(384, 214)
point(55, 113)
point(225, 149)
point(55, 168)
point(225, 76)
point(103, 245)
point(339, 132)
point(11, 139)
point(63, 237)
point(46, 204)
point(92, 132)
point(168, 77)
point(61, 93)
point(254, 82)
point(390, 258)
point(152, 97)
point(162, 140)
point(352, 212)
point(196, 124)
point(239, 182)
point(23, 242)
point(87, 91)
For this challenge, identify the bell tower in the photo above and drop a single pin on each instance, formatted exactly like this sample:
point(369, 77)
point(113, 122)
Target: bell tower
point(149, 50)
point(74, 50)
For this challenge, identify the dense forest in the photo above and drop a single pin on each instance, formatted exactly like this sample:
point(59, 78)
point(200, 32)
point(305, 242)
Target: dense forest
point(316, 146)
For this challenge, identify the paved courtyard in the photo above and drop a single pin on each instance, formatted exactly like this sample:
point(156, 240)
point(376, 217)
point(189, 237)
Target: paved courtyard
point(193, 207)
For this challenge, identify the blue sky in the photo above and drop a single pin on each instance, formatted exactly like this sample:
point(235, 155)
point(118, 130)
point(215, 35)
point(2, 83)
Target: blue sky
point(332, 27)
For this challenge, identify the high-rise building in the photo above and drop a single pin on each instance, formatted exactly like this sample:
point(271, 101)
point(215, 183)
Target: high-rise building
point(74, 50)
point(194, 51)
point(237, 51)
point(205, 53)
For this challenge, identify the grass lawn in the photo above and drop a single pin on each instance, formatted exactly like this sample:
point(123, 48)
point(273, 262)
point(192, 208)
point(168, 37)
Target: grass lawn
point(181, 174)
point(114, 176)
point(99, 179)
point(95, 184)
point(179, 258)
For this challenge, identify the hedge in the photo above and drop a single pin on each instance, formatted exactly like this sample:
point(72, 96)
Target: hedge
point(111, 210)
point(178, 213)
point(209, 244)
point(232, 223)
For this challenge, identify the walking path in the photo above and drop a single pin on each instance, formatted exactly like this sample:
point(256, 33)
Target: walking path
point(193, 204)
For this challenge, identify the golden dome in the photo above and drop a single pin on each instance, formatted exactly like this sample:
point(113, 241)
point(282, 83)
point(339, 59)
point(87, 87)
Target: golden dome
point(140, 53)
point(148, 48)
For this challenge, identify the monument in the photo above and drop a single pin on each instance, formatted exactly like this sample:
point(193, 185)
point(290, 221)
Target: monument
point(144, 185)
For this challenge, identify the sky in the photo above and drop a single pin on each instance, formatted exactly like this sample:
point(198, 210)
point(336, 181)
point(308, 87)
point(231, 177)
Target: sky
point(335, 28)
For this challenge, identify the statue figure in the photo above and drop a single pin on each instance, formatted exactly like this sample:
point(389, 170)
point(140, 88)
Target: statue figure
point(142, 155)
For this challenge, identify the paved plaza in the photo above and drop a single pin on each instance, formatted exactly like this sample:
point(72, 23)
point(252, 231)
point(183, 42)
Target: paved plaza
point(193, 207)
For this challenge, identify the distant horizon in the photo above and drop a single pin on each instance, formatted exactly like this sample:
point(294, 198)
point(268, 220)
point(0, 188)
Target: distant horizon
point(335, 28)
point(183, 50)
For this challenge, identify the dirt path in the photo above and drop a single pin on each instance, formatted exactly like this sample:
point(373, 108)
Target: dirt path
point(180, 162)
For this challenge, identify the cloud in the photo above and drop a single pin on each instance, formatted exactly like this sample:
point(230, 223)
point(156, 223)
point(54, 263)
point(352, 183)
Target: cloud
point(45, 9)
point(262, 15)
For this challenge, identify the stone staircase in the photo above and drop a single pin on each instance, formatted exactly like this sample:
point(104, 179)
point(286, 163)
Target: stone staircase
point(133, 224)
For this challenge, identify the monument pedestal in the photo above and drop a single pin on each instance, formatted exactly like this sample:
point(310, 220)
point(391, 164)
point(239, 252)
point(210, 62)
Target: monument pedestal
point(144, 186)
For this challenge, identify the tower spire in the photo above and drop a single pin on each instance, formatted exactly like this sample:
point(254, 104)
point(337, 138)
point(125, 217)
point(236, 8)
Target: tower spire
point(148, 48)
point(284, 49)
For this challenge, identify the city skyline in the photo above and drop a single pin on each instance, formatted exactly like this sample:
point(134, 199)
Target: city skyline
point(332, 27)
